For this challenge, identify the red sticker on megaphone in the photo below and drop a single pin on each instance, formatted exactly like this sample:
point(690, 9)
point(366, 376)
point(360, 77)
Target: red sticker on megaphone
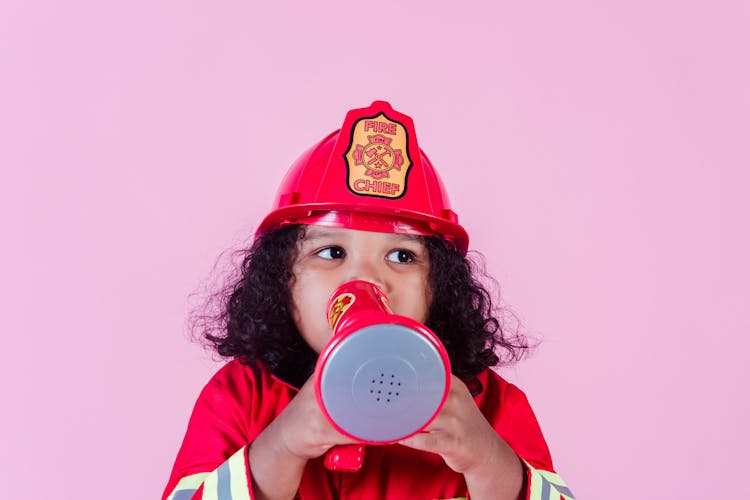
point(338, 306)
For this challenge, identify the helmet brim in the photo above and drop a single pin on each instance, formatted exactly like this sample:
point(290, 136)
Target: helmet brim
point(367, 218)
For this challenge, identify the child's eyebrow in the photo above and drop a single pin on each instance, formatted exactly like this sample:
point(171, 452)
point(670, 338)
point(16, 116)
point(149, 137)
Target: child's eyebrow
point(317, 234)
point(409, 237)
point(399, 238)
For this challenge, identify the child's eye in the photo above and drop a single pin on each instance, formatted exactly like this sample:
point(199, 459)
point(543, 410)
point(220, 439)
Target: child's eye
point(400, 256)
point(331, 253)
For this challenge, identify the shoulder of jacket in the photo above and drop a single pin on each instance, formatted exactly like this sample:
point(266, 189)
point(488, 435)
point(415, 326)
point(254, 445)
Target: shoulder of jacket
point(234, 374)
point(496, 383)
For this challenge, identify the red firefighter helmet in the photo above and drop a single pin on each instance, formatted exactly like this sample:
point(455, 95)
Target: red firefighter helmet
point(370, 175)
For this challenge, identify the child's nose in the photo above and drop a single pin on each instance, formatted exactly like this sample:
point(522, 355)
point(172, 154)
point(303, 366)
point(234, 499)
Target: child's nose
point(368, 271)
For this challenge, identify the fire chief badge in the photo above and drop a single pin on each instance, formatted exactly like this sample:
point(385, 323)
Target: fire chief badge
point(377, 158)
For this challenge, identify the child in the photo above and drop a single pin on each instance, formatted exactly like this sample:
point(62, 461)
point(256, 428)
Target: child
point(364, 203)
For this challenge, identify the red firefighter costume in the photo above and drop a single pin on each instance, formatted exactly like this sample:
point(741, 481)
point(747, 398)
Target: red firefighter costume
point(239, 402)
point(370, 175)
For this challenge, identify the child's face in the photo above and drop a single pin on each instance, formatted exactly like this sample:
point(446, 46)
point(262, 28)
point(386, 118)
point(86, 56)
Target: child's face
point(329, 257)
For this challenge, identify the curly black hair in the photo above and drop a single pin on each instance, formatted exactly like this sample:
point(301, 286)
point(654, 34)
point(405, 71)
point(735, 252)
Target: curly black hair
point(253, 321)
point(462, 313)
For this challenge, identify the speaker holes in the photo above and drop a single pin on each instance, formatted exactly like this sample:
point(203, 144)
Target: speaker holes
point(378, 387)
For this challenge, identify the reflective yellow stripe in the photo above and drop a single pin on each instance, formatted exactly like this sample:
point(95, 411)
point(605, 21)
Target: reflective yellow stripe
point(239, 487)
point(191, 482)
point(546, 485)
point(229, 480)
point(211, 487)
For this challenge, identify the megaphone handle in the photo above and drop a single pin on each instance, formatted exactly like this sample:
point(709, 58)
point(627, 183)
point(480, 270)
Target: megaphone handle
point(345, 458)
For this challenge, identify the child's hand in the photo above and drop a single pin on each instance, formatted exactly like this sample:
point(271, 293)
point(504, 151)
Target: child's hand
point(303, 429)
point(460, 433)
point(469, 445)
point(279, 453)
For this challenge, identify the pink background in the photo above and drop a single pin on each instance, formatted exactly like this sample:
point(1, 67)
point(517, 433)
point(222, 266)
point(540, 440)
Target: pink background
point(597, 152)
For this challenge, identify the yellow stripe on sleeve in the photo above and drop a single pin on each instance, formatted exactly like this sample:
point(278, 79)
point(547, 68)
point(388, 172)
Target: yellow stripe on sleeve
point(546, 485)
point(191, 482)
point(238, 473)
point(229, 480)
point(211, 486)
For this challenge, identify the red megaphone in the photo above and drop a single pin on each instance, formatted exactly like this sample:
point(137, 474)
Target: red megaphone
point(381, 378)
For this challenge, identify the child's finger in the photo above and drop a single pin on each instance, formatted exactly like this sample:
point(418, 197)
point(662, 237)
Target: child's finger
point(432, 441)
point(444, 444)
point(423, 441)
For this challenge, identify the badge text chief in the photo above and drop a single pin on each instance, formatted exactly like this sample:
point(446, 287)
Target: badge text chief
point(384, 187)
